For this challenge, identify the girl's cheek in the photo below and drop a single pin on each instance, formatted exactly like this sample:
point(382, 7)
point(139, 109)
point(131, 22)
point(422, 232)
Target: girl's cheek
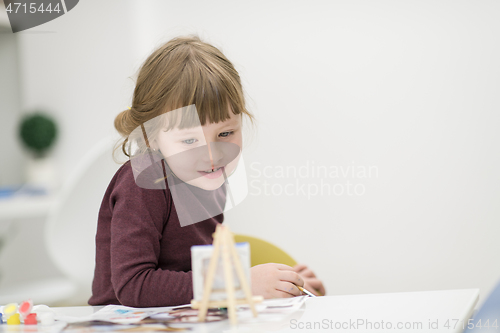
point(236, 138)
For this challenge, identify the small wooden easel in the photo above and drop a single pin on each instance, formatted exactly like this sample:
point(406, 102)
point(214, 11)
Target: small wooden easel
point(224, 245)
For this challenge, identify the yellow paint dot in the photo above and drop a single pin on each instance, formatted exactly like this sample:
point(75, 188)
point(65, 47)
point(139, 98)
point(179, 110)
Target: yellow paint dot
point(14, 319)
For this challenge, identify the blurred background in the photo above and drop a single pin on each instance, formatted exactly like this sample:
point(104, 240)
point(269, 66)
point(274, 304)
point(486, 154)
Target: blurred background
point(374, 159)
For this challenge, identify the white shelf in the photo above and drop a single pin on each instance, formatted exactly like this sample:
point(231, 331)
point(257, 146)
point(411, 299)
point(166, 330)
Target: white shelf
point(24, 206)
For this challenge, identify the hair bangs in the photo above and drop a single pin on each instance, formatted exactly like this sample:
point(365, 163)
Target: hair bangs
point(213, 93)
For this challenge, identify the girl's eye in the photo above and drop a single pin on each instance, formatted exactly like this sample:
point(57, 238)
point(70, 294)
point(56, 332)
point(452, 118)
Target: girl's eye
point(189, 141)
point(225, 134)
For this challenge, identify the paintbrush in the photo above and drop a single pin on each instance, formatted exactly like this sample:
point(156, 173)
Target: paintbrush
point(307, 292)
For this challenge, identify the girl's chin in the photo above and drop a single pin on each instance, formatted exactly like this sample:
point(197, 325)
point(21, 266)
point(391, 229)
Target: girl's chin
point(207, 184)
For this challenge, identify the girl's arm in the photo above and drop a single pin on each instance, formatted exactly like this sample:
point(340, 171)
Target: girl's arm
point(137, 222)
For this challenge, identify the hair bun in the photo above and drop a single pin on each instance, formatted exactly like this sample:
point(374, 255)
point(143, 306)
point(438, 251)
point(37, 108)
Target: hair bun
point(122, 122)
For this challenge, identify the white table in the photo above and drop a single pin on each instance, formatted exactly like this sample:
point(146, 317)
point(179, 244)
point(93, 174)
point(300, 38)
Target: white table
point(336, 313)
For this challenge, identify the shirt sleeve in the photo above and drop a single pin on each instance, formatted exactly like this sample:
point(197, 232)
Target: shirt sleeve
point(138, 218)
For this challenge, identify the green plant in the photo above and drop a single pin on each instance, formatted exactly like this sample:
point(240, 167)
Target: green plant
point(38, 133)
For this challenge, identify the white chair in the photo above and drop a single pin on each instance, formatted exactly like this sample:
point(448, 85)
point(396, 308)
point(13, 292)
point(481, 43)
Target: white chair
point(70, 232)
point(72, 223)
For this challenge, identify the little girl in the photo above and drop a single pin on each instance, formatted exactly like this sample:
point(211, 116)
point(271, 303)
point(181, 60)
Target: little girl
point(183, 134)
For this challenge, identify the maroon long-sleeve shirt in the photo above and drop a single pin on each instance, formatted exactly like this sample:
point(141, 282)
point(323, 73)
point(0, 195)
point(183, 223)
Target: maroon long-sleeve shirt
point(143, 254)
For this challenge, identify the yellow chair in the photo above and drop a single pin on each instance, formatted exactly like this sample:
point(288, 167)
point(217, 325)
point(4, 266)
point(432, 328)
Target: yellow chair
point(262, 252)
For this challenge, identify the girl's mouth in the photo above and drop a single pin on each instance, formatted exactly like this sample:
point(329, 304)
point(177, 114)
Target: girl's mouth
point(216, 173)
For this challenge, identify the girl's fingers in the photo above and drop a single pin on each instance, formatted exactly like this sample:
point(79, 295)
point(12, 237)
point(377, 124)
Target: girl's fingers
point(311, 289)
point(307, 273)
point(281, 294)
point(299, 267)
point(283, 267)
point(288, 288)
point(316, 284)
point(292, 277)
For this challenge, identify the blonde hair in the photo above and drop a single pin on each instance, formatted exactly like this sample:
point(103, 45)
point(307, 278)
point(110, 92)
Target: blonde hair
point(182, 72)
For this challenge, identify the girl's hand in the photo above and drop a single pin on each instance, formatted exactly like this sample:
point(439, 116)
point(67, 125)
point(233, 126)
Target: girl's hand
point(312, 283)
point(275, 281)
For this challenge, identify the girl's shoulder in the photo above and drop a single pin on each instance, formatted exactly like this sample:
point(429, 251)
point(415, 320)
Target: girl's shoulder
point(128, 182)
point(125, 198)
point(124, 175)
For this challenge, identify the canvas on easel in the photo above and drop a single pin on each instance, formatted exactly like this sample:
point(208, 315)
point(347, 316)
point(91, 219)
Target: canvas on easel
point(200, 262)
point(226, 292)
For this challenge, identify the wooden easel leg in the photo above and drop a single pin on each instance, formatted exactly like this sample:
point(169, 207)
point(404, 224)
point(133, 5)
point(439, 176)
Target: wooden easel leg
point(228, 277)
point(241, 275)
point(209, 281)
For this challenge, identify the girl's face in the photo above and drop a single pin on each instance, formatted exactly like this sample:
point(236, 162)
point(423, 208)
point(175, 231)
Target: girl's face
point(200, 156)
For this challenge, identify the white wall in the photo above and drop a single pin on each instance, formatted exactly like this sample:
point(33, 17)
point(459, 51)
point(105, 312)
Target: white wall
point(407, 88)
point(79, 67)
point(10, 149)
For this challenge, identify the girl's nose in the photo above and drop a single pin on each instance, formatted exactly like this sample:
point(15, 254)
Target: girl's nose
point(216, 153)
